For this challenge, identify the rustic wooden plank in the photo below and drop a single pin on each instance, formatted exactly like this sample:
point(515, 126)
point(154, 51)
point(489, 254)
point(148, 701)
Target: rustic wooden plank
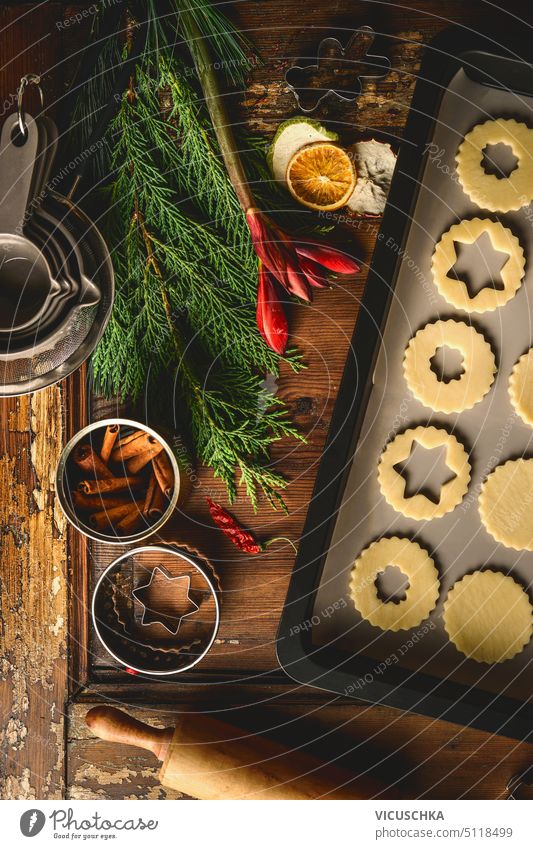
point(78, 552)
point(33, 578)
point(33, 599)
point(255, 587)
point(415, 757)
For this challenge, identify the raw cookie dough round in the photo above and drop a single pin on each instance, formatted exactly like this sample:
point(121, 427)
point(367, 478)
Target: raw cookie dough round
point(488, 616)
point(521, 387)
point(488, 190)
point(444, 258)
point(459, 393)
point(506, 504)
point(392, 483)
point(420, 597)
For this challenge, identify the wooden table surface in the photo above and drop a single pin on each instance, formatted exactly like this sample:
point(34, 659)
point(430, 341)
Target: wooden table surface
point(46, 749)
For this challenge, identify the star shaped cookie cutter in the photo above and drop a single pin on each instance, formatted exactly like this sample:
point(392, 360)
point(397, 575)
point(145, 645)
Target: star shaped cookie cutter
point(333, 72)
point(152, 616)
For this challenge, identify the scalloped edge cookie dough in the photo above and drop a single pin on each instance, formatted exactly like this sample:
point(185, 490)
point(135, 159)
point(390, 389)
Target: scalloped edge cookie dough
point(487, 190)
point(506, 504)
point(421, 595)
point(444, 258)
point(488, 616)
point(460, 393)
point(521, 387)
point(392, 484)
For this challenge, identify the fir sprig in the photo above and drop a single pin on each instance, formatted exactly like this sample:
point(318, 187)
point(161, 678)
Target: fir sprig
point(186, 275)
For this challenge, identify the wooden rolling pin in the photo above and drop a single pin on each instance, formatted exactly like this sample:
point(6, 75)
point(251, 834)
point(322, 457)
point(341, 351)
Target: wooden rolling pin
point(208, 759)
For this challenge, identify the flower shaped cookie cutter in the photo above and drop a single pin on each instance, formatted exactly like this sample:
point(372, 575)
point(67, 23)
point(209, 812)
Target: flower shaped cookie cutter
point(338, 71)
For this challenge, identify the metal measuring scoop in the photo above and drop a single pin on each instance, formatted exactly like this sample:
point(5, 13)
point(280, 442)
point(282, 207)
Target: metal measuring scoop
point(27, 283)
point(56, 244)
point(60, 246)
point(38, 228)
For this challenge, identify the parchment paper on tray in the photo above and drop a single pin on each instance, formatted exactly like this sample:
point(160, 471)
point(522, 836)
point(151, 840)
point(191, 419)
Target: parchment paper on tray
point(491, 430)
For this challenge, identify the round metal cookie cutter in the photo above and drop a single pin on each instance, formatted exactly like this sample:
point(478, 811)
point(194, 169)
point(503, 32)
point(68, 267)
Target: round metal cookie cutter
point(138, 654)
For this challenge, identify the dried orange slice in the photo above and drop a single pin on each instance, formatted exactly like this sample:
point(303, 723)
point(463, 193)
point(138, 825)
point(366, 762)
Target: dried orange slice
point(321, 176)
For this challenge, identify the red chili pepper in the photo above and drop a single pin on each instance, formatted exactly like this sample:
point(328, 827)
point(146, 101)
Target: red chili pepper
point(231, 528)
point(240, 537)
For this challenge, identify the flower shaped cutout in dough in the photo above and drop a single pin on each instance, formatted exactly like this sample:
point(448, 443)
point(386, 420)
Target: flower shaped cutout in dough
point(489, 190)
point(418, 567)
point(458, 394)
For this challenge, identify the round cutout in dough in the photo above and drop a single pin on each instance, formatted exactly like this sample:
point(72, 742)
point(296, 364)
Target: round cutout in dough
point(498, 194)
point(420, 597)
point(444, 258)
point(392, 483)
point(462, 393)
point(521, 387)
point(488, 616)
point(506, 504)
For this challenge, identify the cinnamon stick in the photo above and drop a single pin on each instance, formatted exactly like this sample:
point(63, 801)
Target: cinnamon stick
point(152, 483)
point(164, 473)
point(110, 437)
point(92, 487)
point(141, 443)
point(103, 519)
point(154, 504)
point(158, 505)
point(81, 501)
point(131, 521)
point(140, 460)
point(89, 462)
point(129, 438)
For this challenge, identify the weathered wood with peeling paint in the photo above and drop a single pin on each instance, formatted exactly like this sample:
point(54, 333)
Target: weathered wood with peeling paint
point(33, 551)
point(33, 599)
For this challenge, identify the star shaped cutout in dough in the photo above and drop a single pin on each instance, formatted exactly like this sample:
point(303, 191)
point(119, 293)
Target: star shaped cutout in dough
point(499, 159)
point(165, 600)
point(425, 472)
point(478, 265)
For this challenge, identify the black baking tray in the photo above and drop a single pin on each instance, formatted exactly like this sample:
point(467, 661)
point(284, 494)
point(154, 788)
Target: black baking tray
point(486, 61)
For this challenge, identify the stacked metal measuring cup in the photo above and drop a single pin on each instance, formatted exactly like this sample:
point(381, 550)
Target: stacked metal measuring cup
point(56, 278)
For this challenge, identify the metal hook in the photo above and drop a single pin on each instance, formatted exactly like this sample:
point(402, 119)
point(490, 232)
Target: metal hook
point(26, 80)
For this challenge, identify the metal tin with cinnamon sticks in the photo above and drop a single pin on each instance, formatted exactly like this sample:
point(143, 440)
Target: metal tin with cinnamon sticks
point(118, 481)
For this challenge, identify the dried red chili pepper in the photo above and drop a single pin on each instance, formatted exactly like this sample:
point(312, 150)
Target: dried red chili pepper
point(239, 536)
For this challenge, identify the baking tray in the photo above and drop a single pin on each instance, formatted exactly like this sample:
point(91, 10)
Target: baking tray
point(322, 639)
